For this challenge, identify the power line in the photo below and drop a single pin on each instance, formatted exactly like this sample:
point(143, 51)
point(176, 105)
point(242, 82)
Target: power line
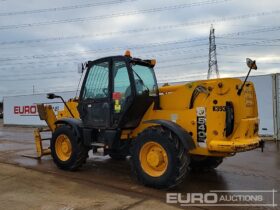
point(35, 78)
point(64, 8)
point(140, 30)
point(113, 15)
point(143, 46)
point(83, 59)
point(63, 62)
point(181, 64)
point(24, 90)
point(103, 50)
point(71, 71)
point(150, 53)
point(242, 38)
point(55, 62)
point(259, 62)
point(150, 45)
point(47, 73)
point(41, 73)
point(155, 53)
point(201, 62)
point(159, 67)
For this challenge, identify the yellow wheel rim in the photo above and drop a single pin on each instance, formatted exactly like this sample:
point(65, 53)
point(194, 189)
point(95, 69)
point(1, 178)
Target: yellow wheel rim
point(153, 159)
point(63, 147)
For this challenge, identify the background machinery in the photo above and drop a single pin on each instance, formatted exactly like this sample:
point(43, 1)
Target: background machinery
point(166, 130)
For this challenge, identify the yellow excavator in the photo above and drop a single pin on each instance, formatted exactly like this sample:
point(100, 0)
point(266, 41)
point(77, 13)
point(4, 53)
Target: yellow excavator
point(166, 131)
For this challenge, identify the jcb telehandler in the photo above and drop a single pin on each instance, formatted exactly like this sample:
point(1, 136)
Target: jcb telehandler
point(165, 130)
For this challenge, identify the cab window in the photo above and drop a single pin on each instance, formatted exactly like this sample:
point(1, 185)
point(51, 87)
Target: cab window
point(145, 81)
point(97, 83)
point(122, 88)
point(121, 82)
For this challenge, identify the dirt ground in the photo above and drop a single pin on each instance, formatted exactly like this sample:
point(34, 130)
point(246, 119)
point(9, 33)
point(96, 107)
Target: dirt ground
point(102, 183)
point(28, 189)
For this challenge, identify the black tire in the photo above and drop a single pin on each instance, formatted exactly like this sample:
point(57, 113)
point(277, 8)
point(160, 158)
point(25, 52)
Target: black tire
point(79, 152)
point(205, 163)
point(178, 158)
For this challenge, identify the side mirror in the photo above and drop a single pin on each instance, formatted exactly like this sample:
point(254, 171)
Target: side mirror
point(251, 64)
point(81, 68)
point(51, 96)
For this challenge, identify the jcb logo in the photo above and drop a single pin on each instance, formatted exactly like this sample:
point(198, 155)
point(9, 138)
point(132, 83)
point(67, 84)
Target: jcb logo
point(201, 124)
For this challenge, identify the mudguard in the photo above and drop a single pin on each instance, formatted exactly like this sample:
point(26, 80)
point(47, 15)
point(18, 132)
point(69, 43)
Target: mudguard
point(182, 134)
point(74, 123)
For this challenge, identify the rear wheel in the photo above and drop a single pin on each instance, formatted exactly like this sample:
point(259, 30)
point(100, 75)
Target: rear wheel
point(158, 158)
point(67, 149)
point(204, 163)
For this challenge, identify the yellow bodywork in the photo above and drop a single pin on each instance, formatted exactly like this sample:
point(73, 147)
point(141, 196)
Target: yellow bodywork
point(72, 104)
point(174, 103)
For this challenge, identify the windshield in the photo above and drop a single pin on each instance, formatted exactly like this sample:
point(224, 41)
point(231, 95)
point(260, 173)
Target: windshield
point(145, 81)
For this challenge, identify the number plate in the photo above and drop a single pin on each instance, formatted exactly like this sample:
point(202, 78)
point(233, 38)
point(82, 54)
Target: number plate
point(219, 108)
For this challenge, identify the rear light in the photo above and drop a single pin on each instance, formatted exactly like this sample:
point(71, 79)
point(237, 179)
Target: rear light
point(229, 118)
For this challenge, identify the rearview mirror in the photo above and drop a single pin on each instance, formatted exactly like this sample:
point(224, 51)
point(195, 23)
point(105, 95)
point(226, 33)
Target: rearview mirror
point(251, 64)
point(51, 96)
point(81, 68)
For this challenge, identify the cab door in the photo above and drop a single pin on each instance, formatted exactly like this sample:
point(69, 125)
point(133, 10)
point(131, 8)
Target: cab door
point(134, 91)
point(122, 94)
point(95, 100)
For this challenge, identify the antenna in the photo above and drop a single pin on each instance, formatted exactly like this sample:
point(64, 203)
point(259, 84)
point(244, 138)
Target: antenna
point(212, 63)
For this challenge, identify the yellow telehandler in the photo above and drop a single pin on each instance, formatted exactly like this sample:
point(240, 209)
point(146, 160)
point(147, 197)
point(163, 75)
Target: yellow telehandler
point(165, 130)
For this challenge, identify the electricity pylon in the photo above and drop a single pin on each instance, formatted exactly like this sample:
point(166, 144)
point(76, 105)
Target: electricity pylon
point(212, 63)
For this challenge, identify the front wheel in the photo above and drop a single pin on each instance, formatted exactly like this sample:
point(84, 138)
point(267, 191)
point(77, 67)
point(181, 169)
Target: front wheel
point(67, 149)
point(158, 158)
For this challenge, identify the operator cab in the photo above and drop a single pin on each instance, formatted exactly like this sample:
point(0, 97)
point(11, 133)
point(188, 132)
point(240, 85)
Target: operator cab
point(117, 91)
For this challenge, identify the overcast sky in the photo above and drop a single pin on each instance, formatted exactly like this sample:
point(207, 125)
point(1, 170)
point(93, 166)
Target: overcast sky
point(42, 41)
